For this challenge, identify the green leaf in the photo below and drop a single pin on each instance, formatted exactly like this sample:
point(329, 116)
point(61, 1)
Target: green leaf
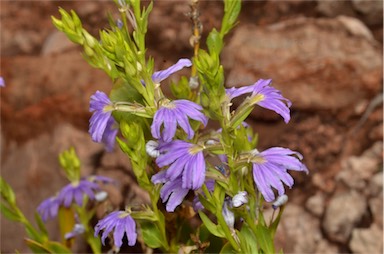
point(181, 90)
point(33, 233)
point(55, 247)
point(151, 235)
point(40, 224)
point(248, 239)
point(264, 239)
point(7, 192)
point(212, 227)
point(275, 223)
point(8, 213)
point(47, 247)
point(214, 42)
point(207, 205)
point(227, 248)
point(36, 247)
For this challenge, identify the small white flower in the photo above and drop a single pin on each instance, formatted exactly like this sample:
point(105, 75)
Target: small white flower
point(240, 198)
point(151, 148)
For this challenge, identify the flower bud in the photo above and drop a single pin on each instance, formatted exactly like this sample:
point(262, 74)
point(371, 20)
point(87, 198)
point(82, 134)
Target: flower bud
point(228, 215)
point(240, 198)
point(101, 196)
point(151, 149)
point(281, 200)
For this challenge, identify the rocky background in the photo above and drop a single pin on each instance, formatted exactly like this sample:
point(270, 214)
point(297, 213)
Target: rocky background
point(326, 56)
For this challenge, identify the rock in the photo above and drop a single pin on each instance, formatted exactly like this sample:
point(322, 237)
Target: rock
point(27, 41)
point(298, 231)
point(315, 204)
point(372, 11)
point(376, 207)
point(54, 94)
point(57, 42)
point(356, 171)
point(314, 63)
point(334, 8)
point(356, 28)
point(367, 240)
point(325, 247)
point(375, 186)
point(343, 212)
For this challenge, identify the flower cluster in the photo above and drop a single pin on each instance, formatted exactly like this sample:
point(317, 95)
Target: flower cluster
point(181, 156)
point(72, 193)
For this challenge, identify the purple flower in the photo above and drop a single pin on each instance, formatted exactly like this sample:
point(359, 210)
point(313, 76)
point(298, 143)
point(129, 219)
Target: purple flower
point(102, 179)
point(270, 170)
point(121, 223)
point(102, 122)
point(172, 191)
point(176, 113)
point(2, 82)
point(75, 192)
point(49, 208)
point(159, 76)
point(271, 98)
point(185, 160)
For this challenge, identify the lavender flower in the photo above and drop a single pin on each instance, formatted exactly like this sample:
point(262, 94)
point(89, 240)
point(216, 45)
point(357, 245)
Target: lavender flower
point(121, 223)
point(270, 170)
point(49, 208)
point(102, 122)
point(2, 82)
point(270, 97)
point(185, 160)
point(176, 113)
point(172, 191)
point(159, 76)
point(75, 192)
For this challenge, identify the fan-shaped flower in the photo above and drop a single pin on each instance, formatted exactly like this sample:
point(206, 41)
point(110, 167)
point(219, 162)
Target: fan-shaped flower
point(185, 160)
point(120, 222)
point(269, 97)
point(49, 208)
point(159, 76)
point(176, 113)
point(172, 191)
point(101, 124)
point(270, 170)
point(74, 192)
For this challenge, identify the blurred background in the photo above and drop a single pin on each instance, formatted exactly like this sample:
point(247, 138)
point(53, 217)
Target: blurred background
point(325, 56)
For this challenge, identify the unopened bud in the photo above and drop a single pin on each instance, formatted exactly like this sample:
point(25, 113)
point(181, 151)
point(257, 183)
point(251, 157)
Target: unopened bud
point(151, 148)
point(78, 229)
point(228, 215)
point(281, 200)
point(101, 196)
point(240, 198)
point(194, 82)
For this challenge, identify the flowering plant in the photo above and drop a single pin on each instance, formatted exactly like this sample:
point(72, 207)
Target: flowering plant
point(207, 187)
